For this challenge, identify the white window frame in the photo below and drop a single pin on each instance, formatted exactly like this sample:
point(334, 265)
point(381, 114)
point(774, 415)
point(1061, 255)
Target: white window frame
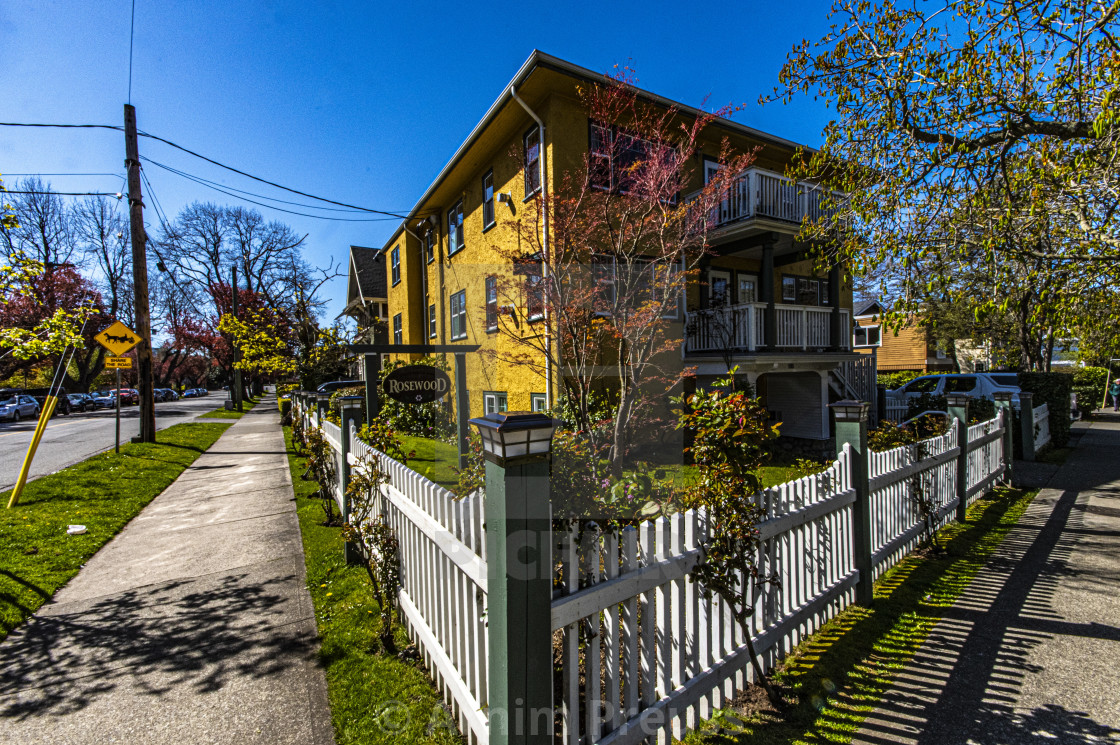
point(538, 402)
point(488, 201)
point(459, 315)
point(398, 329)
point(432, 321)
point(395, 264)
point(866, 336)
point(494, 402)
point(455, 240)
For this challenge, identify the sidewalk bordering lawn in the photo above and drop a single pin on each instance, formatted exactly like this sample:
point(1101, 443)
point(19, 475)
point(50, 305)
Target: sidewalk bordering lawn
point(224, 413)
point(374, 697)
point(104, 493)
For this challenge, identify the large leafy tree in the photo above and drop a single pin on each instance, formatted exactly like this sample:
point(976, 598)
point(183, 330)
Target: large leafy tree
point(983, 131)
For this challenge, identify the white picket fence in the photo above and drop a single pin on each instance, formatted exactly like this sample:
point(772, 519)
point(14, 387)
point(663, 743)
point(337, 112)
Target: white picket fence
point(1041, 426)
point(641, 652)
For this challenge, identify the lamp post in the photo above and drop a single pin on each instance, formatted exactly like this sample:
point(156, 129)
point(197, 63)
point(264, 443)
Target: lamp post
point(851, 429)
point(351, 409)
point(517, 447)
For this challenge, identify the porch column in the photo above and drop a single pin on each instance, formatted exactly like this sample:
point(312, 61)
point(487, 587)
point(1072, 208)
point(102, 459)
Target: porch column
point(770, 325)
point(835, 322)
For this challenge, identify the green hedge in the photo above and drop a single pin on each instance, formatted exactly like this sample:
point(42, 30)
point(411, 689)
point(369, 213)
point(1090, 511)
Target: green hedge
point(1088, 384)
point(1052, 389)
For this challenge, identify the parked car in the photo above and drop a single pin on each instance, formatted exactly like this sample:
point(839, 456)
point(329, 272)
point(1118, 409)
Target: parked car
point(81, 401)
point(167, 394)
point(129, 396)
point(19, 407)
point(334, 385)
point(976, 385)
point(104, 400)
point(194, 392)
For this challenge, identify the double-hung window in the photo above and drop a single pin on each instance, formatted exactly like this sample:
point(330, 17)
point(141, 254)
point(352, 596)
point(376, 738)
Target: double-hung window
point(604, 289)
point(455, 228)
point(398, 330)
point(867, 336)
point(538, 402)
point(599, 157)
point(533, 288)
point(395, 263)
point(491, 303)
point(459, 315)
point(488, 200)
point(493, 401)
point(430, 245)
point(432, 321)
point(532, 161)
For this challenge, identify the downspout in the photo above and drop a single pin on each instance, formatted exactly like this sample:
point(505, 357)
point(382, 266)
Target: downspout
point(543, 165)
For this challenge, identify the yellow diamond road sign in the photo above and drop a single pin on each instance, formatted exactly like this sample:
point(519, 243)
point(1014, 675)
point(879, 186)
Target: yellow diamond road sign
point(118, 363)
point(118, 338)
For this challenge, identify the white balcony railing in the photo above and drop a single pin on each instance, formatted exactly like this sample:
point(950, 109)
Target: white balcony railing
point(742, 328)
point(756, 192)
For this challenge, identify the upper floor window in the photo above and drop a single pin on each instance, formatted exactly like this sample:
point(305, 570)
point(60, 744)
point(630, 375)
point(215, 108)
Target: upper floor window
point(616, 157)
point(533, 288)
point(395, 263)
point(430, 245)
point(459, 315)
point(432, 321)
point(488, 200)
point(867, 336)
point(532, 161)
point(491, 303)
point(398, 330)
point(455, 228)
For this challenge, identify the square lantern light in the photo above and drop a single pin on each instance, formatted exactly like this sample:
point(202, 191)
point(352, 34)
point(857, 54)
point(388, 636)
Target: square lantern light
point(850, 411)
point(513, 437)
point(351, 403)
point(957, 400)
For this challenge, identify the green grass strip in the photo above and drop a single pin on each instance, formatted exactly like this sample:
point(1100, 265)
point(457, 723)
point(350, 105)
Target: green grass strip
point(103, 493)
point(839, 674)
point(374, 697)
point(224, 413)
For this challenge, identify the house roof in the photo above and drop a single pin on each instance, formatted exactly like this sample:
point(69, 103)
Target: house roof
point(366, 281)
point(539, 60)
point(868, 308)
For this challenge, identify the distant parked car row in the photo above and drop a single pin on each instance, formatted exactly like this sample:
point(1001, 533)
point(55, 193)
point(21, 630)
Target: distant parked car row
point(195, 393)
point(974, 385)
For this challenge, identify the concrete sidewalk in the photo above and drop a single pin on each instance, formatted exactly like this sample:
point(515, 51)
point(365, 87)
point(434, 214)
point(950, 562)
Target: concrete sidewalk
point(1031, 651)
point(193, 625)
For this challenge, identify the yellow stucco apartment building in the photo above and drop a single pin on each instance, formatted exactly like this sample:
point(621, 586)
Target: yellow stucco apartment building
point(792, 326)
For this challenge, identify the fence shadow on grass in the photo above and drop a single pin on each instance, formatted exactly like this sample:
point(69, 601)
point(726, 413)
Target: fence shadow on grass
point(182, 635)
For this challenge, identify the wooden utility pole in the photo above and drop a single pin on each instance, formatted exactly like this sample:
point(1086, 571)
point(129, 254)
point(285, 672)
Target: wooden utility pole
point(235, 383)
point(143, 319)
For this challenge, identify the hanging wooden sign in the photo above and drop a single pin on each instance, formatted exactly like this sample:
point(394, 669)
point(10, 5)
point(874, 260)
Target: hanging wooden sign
point(416, 384)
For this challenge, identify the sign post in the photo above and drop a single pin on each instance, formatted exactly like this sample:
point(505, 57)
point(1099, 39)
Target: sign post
point(118, 339)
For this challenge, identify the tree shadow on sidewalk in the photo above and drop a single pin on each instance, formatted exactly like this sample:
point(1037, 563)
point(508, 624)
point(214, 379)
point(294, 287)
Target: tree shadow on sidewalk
point(194, 635)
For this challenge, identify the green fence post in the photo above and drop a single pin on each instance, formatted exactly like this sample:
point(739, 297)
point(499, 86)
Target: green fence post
point(517, 449)
point(1026, 424)
point(850, 418)
point(958, 410)
point(1003, 403)
point(351, 408)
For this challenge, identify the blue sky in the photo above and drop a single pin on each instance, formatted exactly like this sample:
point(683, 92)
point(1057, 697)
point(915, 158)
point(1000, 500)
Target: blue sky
point(359, 102)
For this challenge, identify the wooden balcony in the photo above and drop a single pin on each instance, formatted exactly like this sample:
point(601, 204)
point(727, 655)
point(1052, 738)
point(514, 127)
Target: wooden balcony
point(760, 194)
point(743, 328)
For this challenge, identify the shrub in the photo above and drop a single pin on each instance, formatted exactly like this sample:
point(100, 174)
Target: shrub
point(1089, 385)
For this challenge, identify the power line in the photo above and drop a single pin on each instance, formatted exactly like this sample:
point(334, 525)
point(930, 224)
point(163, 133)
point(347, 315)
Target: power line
point(61, 174)
point(188, 151)
point(216, 184)
point(203, 182)
point(66, 193)
point(271, 183)
point(63, 126)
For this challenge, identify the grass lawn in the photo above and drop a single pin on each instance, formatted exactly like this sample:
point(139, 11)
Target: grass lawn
point(222, 413)
point(841, 673)
point(375, 698)
point(437, 460)
point(103, 493)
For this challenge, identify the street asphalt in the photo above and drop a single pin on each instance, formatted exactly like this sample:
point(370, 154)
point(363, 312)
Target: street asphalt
point(194, 625)
point(1031, 651)
point(71, 439)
